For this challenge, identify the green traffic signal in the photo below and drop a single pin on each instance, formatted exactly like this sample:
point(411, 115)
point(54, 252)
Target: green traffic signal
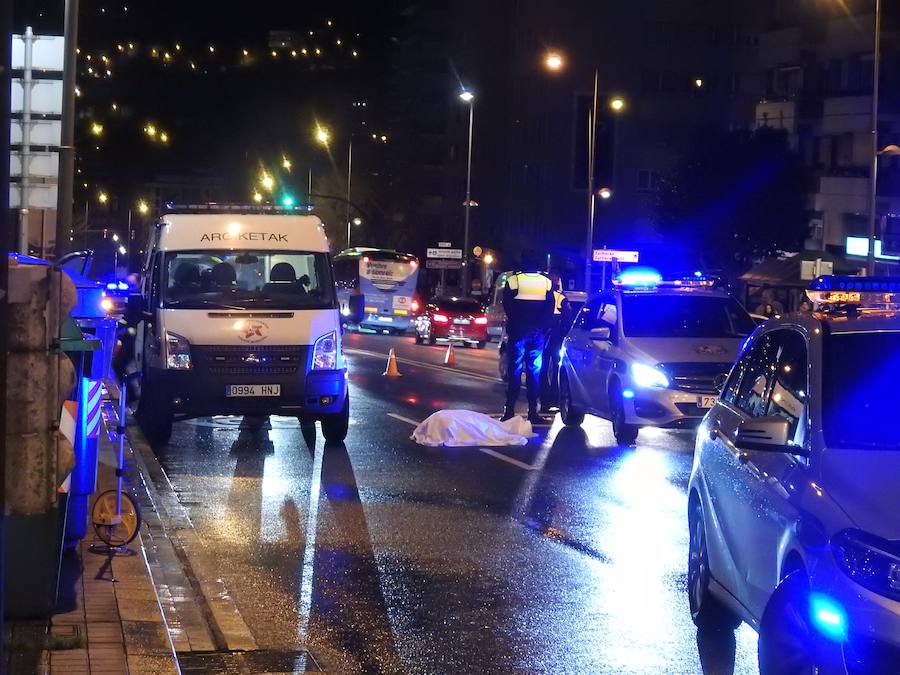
point(287, 201)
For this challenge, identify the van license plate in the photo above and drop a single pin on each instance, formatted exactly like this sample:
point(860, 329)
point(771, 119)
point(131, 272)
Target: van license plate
point(706, 401)
point(234, 390)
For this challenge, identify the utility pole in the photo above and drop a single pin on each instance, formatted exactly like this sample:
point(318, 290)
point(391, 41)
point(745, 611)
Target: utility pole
point(592, 148)
point(873, 178)
point(5, 245)
point(67, 145)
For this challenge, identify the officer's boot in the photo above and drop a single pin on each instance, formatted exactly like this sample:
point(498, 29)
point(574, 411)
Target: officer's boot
point(533, 415)
point(508, 412)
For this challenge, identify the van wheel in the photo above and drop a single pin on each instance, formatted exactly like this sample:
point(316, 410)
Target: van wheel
point(334, 427)
point(626, 434)
point(154, 415)
point(707, 611)
point(571, 416)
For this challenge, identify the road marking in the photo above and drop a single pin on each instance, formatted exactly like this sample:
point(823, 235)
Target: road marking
point(508, 460)
point(404, 419)
point(423, 364)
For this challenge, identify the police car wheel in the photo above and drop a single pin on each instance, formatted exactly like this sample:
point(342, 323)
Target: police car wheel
point(571, 416)
point(335, 427)
point(626, 434)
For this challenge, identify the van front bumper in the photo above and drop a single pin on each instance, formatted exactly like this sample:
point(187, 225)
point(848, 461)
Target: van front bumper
point(667, 408)
point(200, 393)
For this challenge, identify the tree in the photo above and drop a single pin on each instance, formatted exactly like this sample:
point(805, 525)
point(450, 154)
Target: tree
point(736, 197)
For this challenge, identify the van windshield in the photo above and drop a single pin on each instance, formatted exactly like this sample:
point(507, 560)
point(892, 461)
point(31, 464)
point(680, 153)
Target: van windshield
point(651, 315)
point(248, 280)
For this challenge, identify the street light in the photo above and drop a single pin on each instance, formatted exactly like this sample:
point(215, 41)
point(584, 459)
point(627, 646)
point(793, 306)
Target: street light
point(873, 178)
point(357, 221)
point(267, 181)
point(555, 63)
point(604, 193)
point(143, 207)
point(285, 164)
point(488, 259)
point(323, 136)
point(257, 196)
point(468, 98)
point(102, 197)
point(96, 128)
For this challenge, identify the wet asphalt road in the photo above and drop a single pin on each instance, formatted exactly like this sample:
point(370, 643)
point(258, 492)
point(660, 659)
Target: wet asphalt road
point(565, 556)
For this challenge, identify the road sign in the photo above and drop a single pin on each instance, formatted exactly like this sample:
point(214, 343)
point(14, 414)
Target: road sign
point(612, 255)
point(445, 253)
point(443, 264)
point(48, 52)
point(445, 244)
point(40, 195)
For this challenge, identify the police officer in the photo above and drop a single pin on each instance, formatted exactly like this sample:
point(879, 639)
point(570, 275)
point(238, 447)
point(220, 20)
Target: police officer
point(560, 324)
point(528, 301)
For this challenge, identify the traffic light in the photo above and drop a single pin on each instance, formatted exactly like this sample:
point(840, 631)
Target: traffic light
point(287, 200)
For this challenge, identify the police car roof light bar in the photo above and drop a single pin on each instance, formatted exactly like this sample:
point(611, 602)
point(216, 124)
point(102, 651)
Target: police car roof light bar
point(855, 291)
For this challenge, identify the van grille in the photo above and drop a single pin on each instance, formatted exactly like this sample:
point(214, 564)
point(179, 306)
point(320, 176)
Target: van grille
point(247, 360)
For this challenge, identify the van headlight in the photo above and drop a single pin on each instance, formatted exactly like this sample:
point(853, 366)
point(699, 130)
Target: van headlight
point(869, 561)
point(648, 376)
point(325, 352)
point(178, 352)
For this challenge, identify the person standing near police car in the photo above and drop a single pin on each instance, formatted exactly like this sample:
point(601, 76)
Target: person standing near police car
point(529, 302)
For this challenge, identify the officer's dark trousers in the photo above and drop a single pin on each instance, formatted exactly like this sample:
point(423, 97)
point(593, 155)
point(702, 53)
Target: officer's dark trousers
point(525, 353)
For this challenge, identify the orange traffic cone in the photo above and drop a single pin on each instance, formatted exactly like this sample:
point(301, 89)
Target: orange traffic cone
point(392, 370)
point(450, 356)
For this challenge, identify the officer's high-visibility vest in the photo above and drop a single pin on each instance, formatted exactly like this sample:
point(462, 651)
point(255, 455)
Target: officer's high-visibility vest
point(529, 286)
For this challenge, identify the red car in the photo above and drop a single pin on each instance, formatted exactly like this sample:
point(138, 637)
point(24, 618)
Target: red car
point(452, 320)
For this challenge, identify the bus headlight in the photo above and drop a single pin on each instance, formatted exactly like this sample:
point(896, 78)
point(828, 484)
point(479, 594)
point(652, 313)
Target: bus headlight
point(325, 352)
point(178, 352)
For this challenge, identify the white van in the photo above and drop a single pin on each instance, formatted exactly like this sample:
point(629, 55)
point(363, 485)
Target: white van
point(240, 317)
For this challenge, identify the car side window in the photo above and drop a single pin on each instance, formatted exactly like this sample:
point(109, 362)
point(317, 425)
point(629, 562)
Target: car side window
point(757, 368)
point(730, 390)
point(788, 393)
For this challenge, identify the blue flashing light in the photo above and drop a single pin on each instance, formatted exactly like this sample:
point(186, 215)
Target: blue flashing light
point(828, 617)
point(698, 274)
point(856, 284)
point(639, 277)
point(117, 286)
point(628, 393)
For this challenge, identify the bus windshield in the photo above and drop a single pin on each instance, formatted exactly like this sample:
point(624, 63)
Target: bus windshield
point(248, 280)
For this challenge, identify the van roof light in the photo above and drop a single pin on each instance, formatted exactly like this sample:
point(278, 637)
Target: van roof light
point(216, 207)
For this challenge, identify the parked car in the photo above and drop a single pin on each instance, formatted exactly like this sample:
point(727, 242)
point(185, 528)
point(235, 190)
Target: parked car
point(792, 502)
point(452, 319)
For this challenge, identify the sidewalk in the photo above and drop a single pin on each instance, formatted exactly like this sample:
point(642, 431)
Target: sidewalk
point(100, 626)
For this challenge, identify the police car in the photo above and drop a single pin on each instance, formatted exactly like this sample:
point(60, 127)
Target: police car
point(650, 352)
point(793, 498)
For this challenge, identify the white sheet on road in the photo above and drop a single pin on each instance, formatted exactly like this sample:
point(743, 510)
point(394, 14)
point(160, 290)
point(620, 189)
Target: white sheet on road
point(459, 428)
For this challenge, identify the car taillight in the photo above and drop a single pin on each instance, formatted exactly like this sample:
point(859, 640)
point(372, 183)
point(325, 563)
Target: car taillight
point(481, 321)
point(440, 318)
point(414, 306)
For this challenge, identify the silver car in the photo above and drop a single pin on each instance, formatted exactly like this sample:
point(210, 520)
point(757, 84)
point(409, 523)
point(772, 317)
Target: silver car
point(651, 355)
point(793, 498)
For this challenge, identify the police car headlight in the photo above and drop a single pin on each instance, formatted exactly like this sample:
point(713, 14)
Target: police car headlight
point(178, 352)
point(870, 561)
point(648, 376)
point(325, 352)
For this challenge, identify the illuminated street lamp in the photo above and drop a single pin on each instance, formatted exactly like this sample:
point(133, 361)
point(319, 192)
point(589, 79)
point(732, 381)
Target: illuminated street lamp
point(488, 259)
point(468, 98)
point(267, 181)
point(323, 136)
point(96, 128)
point(604, 193)
point(553, 62)
point(102, 197)
point(257, 196)
point(698, 82)
point(285, 164)
point(150, 130)
point(143, 207)
point(164, 137)
point(357, 221)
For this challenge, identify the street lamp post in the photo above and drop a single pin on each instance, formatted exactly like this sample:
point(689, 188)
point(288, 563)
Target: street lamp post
point(468, 98)
point(323, 137)
point(873, 182)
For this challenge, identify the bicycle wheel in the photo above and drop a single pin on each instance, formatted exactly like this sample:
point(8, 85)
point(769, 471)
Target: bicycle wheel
point(103, 514)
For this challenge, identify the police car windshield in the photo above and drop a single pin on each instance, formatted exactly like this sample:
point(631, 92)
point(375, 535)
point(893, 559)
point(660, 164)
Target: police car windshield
point(647, 315)
point(860, 372)
point(247, 280)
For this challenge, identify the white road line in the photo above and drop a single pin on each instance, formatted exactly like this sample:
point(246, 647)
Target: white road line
point(403, 419)
point(423, 364)
point(508, 460)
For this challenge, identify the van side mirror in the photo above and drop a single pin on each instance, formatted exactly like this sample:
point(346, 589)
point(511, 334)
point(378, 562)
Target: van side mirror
point(602, 334)
point(766, 434)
